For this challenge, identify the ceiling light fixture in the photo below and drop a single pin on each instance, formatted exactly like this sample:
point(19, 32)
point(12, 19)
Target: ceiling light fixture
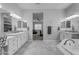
point(71, 17)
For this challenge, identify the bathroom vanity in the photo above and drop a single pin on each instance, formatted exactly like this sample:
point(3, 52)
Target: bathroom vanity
point(15, 41)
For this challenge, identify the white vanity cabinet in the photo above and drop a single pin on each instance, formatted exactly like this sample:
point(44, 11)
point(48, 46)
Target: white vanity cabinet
point(20, 39)
point(23, 38)
point(15, 41)
point(26, 36)
point(12, 45)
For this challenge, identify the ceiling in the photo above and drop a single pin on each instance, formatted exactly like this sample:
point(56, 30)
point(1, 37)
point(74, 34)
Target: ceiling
point(43, 5)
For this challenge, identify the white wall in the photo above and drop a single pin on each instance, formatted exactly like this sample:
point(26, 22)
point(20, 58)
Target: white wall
point(11, 7)
point(51, 18)
point(71, 10)
point(28, 16)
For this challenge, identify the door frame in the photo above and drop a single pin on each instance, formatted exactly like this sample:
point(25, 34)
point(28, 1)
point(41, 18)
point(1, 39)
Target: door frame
point(38, 22)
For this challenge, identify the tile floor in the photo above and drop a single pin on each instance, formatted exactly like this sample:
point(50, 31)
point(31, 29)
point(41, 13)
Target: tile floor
point(39, 47)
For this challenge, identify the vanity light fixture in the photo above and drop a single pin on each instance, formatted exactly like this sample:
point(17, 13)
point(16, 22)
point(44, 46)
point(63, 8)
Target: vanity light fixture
point(71, 17)
point(15, 16)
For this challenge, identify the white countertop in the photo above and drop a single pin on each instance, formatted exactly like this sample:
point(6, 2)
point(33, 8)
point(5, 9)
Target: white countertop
point(13, 33)
point(8, 37)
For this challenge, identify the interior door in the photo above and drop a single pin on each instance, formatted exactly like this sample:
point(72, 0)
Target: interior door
point(37, 26)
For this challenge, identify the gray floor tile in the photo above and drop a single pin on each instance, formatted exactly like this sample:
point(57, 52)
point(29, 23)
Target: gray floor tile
point(39, 47)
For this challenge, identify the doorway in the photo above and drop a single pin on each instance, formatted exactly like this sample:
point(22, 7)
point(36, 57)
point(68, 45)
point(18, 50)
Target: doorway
point(37, 26)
